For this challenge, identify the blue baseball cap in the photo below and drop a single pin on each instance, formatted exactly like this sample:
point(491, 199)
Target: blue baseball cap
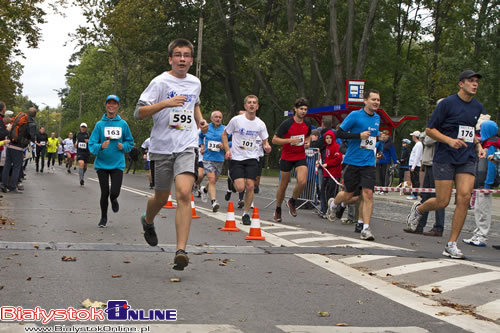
point(406, 141)
point(113, 97)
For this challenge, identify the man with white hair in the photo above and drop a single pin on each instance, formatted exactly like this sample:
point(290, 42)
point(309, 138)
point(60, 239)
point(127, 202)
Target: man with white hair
point(415, 163)
point(213, 154)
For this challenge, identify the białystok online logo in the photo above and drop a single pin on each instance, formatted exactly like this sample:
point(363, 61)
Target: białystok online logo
point(115, 311)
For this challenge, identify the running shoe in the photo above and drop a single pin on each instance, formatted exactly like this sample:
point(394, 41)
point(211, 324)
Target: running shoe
point(256, 189)
point(227, 197)
point(181, 260)
point(103, 222)
point(453, 252)
point(82, 182)
point(414, 217)
point(215, 206)
point(476, 241)
point(291, 207)
point(339, 211)
point(367, 234)
point(115, 206)
point(246, 219)
point(69, 170)
point(347, 221)
point(204, 195)
point(330, 212)
point(241, 203)
point(20, 187)
point(358, 227)
point(277, 215)
point(149, 231)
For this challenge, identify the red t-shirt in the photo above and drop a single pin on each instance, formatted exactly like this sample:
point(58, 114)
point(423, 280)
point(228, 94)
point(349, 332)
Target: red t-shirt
point(290, 128)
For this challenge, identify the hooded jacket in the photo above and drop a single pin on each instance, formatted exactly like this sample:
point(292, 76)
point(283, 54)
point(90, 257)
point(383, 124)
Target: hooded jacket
point(111, 157)
point(389, 153)
point(333, 158)
point(489, 142)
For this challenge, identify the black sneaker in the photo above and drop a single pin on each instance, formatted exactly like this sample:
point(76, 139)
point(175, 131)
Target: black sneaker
point(277, 215)
point(3, 188)
point(358, 227)
point(103, 222)
point(339, 211)
point(151, 186)
point(256, 189)
point(149, 231)
point(82, 182)
point(181, 260)
point(246, 219)
point(241, 203)
point(114, 205)
point(69, 170)
point(227, 197)
point(291, 207)
point(41, 170)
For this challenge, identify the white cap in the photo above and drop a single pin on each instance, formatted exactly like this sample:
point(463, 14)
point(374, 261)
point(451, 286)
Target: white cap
point(83, 125)
point(415, 133)
point(9, 113)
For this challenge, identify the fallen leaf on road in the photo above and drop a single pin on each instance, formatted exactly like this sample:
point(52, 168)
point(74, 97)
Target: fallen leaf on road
point(209, 259)
point(395, 283)
point(388, 274)
point(14, 254)
point(94, 304)
point(359, 301)
point(175, 280)
point(28, 278)
point(324, 314)
point(371, 274)
point(436, 290)
point(342, 324)
point(1, 287)
point(443, 314)
point(126, 261)
point(114, 276)
point(68, 258)
point(209, 252)
point(36, 246)
point(222, 264)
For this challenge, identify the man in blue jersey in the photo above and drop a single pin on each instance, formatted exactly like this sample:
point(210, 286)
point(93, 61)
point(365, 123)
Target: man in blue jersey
point(361, 128)
point(213, 154)
point(452, 125)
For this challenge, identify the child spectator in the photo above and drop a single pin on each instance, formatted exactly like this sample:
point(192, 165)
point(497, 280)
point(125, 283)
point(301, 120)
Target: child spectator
point(332, 165)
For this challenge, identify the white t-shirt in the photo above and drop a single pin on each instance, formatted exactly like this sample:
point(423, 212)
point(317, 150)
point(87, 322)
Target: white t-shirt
point(245, 135)
point(416, 155)
point(69, 146)
point(146, 145)
point(174, 129)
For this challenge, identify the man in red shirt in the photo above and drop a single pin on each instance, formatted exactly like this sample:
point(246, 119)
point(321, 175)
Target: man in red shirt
point(294, 135)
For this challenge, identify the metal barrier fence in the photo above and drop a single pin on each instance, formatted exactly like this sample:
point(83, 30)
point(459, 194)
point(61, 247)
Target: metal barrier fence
point(310, 194)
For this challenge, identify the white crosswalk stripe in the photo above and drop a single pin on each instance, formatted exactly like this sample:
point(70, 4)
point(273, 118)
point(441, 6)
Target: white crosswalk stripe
point(412, 268)
point(460, 282)
point(490, 310)
point(363, 258)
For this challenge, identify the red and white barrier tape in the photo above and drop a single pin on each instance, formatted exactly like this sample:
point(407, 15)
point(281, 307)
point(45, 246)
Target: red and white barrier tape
point(425, 190)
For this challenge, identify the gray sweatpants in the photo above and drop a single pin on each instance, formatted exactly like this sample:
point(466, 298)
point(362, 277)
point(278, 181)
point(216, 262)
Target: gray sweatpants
point(482, 215)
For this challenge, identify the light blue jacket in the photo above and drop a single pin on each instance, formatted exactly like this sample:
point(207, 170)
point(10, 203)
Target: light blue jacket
point(111, 157)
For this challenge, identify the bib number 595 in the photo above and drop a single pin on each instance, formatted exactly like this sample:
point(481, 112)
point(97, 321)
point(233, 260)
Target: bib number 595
point(182, 118)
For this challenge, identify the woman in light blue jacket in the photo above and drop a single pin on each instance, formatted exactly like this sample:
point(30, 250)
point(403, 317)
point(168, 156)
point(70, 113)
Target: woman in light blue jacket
point(110, 140)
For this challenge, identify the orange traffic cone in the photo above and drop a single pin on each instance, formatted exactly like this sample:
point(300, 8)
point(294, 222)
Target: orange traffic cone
point(230, 222)
point(169, 204)
point(255, 233)
point(193, 208)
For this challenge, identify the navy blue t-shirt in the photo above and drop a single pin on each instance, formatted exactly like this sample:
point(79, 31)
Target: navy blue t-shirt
point(451, 116)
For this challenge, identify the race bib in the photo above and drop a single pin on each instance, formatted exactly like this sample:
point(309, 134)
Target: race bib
point(301, 137)
point(42, 143)
point(466, 133)
point(181, 119)
point(369, 143)
point(82, 145)
point(113, 132)
point(248, 144)
point(213, 146)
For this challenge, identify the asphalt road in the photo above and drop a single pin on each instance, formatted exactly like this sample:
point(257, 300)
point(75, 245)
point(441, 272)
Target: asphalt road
point(310, 275)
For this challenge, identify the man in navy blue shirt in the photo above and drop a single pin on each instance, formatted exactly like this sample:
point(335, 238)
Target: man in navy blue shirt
point(452, 125)
point(361, 128)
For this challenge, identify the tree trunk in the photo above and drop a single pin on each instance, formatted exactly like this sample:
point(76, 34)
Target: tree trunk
point(335, 50)
point(348, 37)
point(479, 28)
point(299, 79)
point(363, 45)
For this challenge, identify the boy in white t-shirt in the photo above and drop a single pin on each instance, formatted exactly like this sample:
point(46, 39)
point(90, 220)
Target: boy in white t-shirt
point(172, 99)
point(244, 152)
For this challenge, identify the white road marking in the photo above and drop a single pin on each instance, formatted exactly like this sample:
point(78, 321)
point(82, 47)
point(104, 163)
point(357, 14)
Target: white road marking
point(349, 329)
point(490, 310)
point(412, 268)
point(362, 258)
point(271, 227)
point(353, 245)
point(403, 296)
point(460, 282)
point(314, 239)
point(297, 232)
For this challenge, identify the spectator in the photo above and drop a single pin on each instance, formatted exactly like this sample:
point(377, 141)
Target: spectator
point(404, 169)
point(388, 157)
point(332, 167)
point(486, 177)
point(133, 157)
point(415, 163)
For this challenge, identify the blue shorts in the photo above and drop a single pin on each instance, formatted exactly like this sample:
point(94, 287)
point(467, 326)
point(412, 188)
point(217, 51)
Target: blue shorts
point(446, 171)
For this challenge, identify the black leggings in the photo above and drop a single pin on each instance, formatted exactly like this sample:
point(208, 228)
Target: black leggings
point(51, 157)
point(113, 193)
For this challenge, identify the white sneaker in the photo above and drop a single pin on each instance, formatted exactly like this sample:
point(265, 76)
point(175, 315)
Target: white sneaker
point(453, 252)
point(414, 217)
point(215, 206)
point(330, 212)
point(476, 241)
point(204, 196)
point(367, 234)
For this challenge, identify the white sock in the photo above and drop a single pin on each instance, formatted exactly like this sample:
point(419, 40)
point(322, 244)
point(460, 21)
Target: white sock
point(365, 226)
point(360, 222)
point(452, 243)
